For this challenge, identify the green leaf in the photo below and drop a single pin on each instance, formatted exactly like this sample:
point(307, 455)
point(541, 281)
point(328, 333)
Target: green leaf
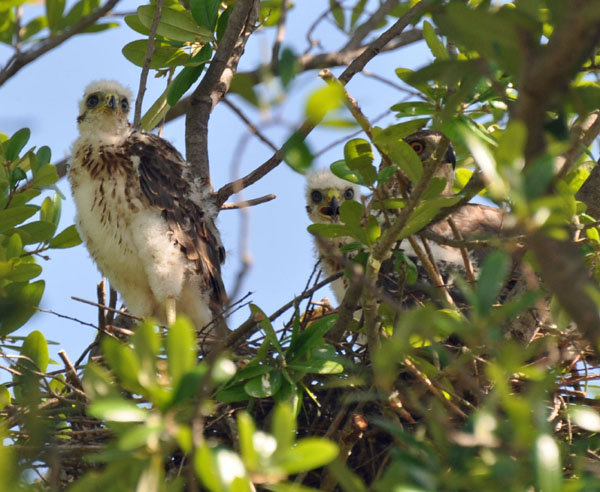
point(317, 367)
point(33, 27)
point(307, 454)
point(207, 468)
point(24, 272)
point(14, 247)
point(265, 385)
point(117, 410)
point(324, 100)
point(400, 153)
point(297, 154)
point(178, 25)
point(338, 14)
point(18, 302)
point(386, 173)
point(435, 45)
point(329, 230)
point(287, 66)
point(180, 345)
point(357, 11)
point(67, 238)
point(246, 429)
point(413, 108)
point(134, 22)
point(184, 80)
point(5, 397)
point(547, 464)
point(146, 342)
point(123, 361)
point(156, 113)
point(511, 144)
point(341, 170)
point(222, 23)
point(189, 385)
point(424, 213)
point(310, 337)
point(45, 176)
point(164, 56)
point(15, 145)
point(54, 11)
point(491, 280)
point(35, 348)
point(205, 12)
point(11, 217)
point(38, 231)
point(283, 427)
point(358, 155)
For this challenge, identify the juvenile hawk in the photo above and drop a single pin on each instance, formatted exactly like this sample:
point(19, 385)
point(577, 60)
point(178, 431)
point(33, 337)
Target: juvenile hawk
point(146, 222)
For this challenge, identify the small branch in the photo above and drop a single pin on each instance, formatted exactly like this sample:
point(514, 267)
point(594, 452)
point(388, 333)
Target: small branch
point(72, 376)
point(469, 273)
point(253, 129)
point(248, 203)
point(279, 37)
point(122, 313)
point(585, 132)
point(371, 24)
point(22, 58)
point(146, 67)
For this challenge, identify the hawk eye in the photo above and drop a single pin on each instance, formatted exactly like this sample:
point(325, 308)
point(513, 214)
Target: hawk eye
point(349, 194)
point(92, 101)
point(316, 196)
point(124, 104)
point(418, 147)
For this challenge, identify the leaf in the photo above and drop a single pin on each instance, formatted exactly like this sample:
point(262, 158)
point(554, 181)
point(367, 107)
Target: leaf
point(357, 12)
point(180, 345)
point(401, 154)
point(123, 361)
point(317, 367)
point(310, 337)
point(205, 12)
point(341, 170)
point(18, 303)
point(491, 280)
point(67, 238)
point(222, 23)
point(33, 27)
point(297, 154)
point(329, 230)
point(45, 176)
point(178, 25)
point(265, 385)
point(338, 14)
point(207, 468)
point(358, 155)
point(246, 429)
point(435, 45)
point(547, 463)
point(24, 272)
point(15, 145)
point(424, 213)
point(324, 100)
point(134, 22)
point(307, 454)
point(54, 11)
point(38, 231)
point(5, 397)
point(156, 113)
point(164, 56)
point(413, 108)
point(117, 410)
point(184, 80)
point(35, 348)
point(287, 66)
point(11, 217)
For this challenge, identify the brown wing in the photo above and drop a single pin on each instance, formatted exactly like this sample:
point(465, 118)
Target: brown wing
point(166, 181)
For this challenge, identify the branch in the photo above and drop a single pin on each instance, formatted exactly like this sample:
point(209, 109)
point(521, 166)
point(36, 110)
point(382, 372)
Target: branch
point(371, 24)
point(356, 66)
point(585, 132)
point(248, 203)
point(215, 84)
point(20, 59)
point(146, 67)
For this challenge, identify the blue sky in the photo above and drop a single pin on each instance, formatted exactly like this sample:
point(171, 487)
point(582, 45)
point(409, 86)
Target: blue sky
point(43, 96)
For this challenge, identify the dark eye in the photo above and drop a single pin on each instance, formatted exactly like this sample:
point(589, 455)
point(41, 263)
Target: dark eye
point(92, 101)
point(316, 196)
point(125, 104)
point(418, 147)
point(349, 194)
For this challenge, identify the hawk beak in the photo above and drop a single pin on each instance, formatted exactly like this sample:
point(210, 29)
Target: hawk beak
point(111, 100)
point(332, 210)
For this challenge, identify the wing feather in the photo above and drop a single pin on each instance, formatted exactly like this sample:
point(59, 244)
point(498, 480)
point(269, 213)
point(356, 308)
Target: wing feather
point(166, 182)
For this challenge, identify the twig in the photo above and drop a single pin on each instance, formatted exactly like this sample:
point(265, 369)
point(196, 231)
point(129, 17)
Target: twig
point(371, 24)
point(67, 317)
point(253, 129)
point(469, 273)
point(248, 203)
point(122, 313)
point(279, 37)
point(71, 372)
point(146, 67)
point(22, 58)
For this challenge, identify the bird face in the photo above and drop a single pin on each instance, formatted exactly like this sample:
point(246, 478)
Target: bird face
point(104, 107)
point(325, 194)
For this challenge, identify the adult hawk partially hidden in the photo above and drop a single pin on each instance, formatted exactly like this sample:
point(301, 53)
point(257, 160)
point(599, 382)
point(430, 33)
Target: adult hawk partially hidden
point(146, 222)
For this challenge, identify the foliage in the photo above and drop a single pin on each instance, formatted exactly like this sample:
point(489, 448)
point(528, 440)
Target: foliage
point(489, 388)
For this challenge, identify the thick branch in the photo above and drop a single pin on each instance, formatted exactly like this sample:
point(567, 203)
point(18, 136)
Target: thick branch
point(22, 58)
point(215, 84)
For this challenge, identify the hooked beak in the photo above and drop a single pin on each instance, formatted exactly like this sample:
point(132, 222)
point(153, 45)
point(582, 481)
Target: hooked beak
point(332, 210)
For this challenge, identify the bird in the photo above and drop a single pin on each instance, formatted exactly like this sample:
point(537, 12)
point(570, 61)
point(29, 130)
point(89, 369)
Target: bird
point(473, 221)
point(325, 193)
point(146, 222)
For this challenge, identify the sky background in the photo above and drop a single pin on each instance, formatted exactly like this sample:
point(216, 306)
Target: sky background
point(44, 95)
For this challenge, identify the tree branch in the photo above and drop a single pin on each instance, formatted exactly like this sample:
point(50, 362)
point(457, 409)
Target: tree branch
point(22, 58)
point(215, 84)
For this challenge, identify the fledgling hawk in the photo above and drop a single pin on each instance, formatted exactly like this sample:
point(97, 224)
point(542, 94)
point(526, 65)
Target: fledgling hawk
point(146, 222)
point(472, 220)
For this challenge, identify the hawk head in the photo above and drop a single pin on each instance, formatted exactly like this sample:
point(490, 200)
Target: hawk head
point(325, 192)
point(104, 108)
